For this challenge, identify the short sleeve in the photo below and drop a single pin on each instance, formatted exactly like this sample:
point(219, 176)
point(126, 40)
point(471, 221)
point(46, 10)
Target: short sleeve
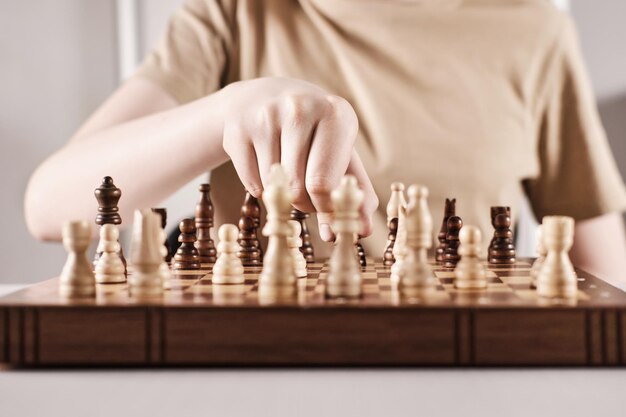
point(191, 58)
point(578, 175)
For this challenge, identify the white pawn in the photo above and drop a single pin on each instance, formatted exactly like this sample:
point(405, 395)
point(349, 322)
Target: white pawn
point(399, 247)
point(77, 278)
point(146, 255)
point(470, 272)
point(557, 277)
point(164, 268)
point(415, 277)
point(344, 276)
point(109, 268)
point(294, 242)
point(541, 257)
point(278, 277)
point(228, 268)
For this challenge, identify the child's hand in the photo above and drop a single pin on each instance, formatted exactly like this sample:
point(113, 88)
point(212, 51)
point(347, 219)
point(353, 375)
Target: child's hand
point(310, 132)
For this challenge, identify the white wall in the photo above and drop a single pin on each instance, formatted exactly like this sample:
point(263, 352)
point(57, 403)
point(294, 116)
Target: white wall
point(58, 62)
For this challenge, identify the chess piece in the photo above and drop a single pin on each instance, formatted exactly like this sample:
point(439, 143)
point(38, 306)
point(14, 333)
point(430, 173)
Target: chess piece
point(396, 198)
point(186, 256)
point(399, 246)
point(204, 223)
point(451, 255)
point(164, 268)
point(295, 243)
point(109, 268)
point(278, 278)
point(360, 253)
point(449, 211)
point(249, 245)
point(541, 257)
point(108, 196)
point(146, 255)
point(307, 246)
point(388, 258)
point(77, 278)
point(228, 268)
point(416, 278)
point(163, 213)
point(501, 248)
point(344, 276)
point(557, 278)
point(470, 272)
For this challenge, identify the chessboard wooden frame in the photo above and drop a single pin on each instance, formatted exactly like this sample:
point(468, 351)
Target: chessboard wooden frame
point(38, 329)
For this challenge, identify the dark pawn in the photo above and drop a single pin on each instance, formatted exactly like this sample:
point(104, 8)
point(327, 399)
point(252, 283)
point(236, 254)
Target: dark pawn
point(451, 255)
point(502, 249)
point(307, 246)
point(108, 195)
point(449, 211)
point(249, 246)
point(163, 213)
point(204, 223)
point(186, 256)
point(388, 258)
point(250, 253)
point(361, 253)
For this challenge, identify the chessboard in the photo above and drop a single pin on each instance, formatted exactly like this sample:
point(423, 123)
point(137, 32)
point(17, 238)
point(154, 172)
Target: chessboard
point(198, 323)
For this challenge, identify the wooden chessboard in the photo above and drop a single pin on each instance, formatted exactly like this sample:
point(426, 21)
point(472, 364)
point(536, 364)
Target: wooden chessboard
point(198, 323)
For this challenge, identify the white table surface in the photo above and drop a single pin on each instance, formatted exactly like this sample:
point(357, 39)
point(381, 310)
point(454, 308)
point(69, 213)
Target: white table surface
point(312, 392)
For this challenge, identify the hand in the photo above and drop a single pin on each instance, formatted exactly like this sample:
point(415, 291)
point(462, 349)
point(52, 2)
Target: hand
point(310, 132)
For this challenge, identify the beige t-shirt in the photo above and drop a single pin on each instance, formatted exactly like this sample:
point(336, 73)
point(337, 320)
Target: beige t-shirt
point(480, 100)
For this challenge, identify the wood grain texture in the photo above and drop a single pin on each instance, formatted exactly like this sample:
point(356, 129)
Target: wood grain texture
point(197, 323)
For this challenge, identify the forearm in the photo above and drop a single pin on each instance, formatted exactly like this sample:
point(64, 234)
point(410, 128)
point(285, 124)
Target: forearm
point(149, 158)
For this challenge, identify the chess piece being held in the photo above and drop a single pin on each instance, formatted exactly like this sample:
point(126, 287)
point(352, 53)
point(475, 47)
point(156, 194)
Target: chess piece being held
point(344, 276)
point(278, 277)
point(470, 272)
point(416, 277)
point(109, 268)
point(557, 278)
point(228, 268)
point(77, 278)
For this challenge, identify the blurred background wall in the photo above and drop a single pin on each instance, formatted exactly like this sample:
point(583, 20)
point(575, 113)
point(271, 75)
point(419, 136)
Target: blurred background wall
point(60, 59)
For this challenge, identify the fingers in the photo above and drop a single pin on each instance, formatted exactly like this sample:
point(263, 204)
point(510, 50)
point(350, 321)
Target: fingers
point(329, 156)
point(241, 151)
point(266, 141)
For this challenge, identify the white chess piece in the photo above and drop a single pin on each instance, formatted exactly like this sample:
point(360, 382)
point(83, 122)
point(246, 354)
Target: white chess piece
point(344, 276)
point(77, 278)
point(164, 268)
point(541, 257)
point(109, 268)
point(470, 272)
point(146, 255)
point(557, 277)
point(415, 276)
point(228, 268)
point(295, 241)
point(399, 246)
point(278, 277)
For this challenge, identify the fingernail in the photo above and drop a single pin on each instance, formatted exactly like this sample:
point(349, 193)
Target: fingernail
point(326, 233)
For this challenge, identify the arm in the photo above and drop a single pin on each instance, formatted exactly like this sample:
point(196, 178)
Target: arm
point(151, 147)
point(600, 248)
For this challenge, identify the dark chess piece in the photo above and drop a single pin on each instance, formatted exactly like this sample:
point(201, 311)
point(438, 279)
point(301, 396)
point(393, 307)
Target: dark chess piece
point(186, 256)
point(451, 255)
point(108, 195)
point(361, 254)
point(163, 213)
point(388, 258)
point(449, 211)
point(249, 246)
point(204, 223)
point(502, 248)
point(307, 246)
point(250, 251)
